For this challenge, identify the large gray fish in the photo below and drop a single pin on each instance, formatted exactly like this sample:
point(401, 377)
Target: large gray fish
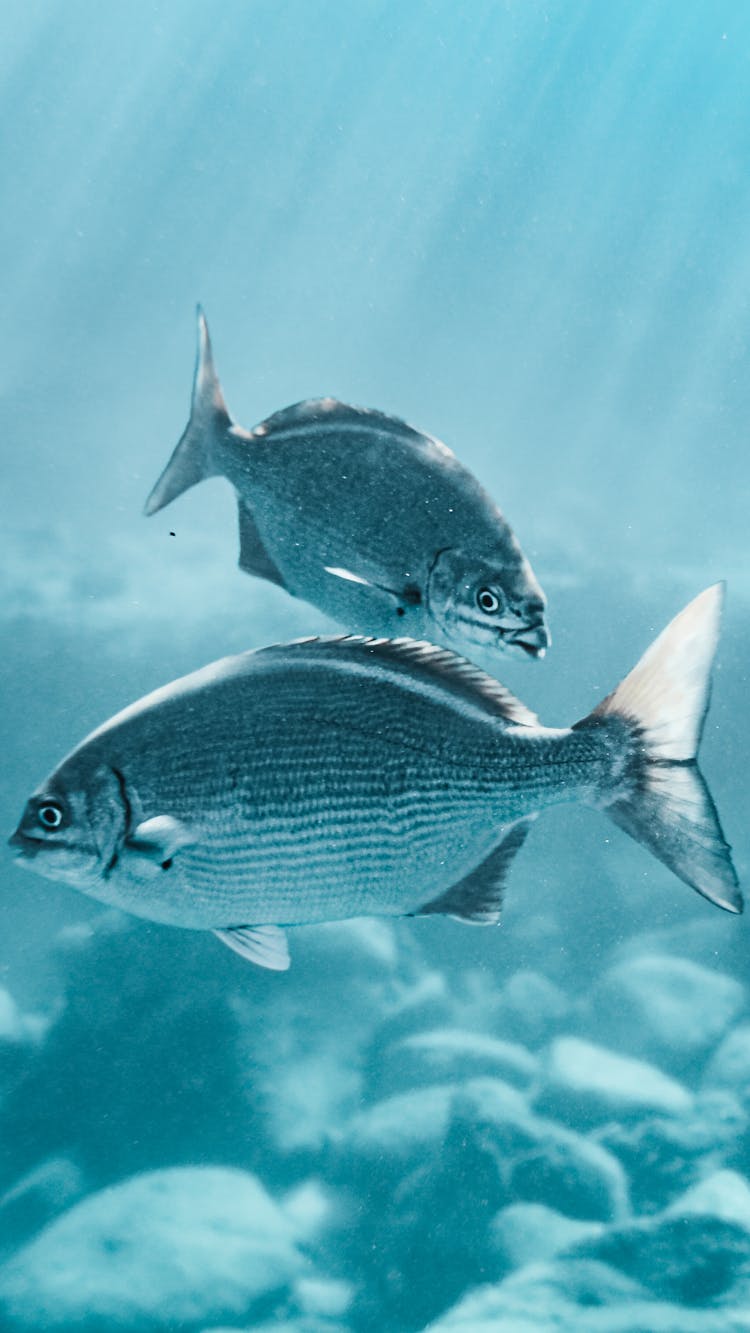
point(349, 777)
point(370, 520)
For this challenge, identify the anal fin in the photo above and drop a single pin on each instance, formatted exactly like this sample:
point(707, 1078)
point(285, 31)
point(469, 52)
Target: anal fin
point(478, 897)
point(264, 945)
point(254, 557)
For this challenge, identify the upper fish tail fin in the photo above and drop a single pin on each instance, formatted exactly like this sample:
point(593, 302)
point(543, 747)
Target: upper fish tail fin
point(192, 459)
point(661, 798)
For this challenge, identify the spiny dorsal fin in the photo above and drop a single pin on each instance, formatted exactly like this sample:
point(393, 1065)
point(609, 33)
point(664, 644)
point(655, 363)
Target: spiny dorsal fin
point(418, 658)
point(317, 412)
point(478, 898)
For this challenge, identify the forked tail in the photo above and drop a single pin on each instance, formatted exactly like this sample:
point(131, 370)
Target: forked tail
point(192, 459)
point(659, 795)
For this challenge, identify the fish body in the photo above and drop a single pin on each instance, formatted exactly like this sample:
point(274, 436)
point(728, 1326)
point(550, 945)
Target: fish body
point(329, 779)
point(376, 523)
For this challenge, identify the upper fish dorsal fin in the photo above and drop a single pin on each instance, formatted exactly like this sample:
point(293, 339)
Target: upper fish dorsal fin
point(478, 898)
point(439, 666)
point(254, 557)
point(322, 411)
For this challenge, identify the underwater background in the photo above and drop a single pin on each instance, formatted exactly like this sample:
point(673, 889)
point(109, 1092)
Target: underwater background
point(523, 227)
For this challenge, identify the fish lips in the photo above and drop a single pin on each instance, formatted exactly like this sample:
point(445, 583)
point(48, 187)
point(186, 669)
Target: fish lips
point(533, 639)
point(25, 848)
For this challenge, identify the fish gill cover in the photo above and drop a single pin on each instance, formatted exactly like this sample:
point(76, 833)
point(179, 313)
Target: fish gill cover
point(520, 228)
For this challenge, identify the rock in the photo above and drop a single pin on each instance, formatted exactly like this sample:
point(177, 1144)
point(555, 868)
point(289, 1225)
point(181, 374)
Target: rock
point(169, 1049)
point(665, 1009)
point(578, 1296)
point(664, 1156)
point(432, 1184)
point(724, 1194)
point(691, 1253)
point(425, 1004)
point(729, 1066)
point(20, 1035)
point(526, 1233)
point(702, 938)
point(448, 1055)
point(391, 1136)
point(436, 1216)
point(571, 1173)
point(38, 1197)
point(586, 1085)
point(507, 1154)
point(308, 1077)
point(141, 1054)
point(328, 1298)
point(178, 1248)
point(310, 1207)
point(302, 1324)
point(530, 1009)
point(541, 1298)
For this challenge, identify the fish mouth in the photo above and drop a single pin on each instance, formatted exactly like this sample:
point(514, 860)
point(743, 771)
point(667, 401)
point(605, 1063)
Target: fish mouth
point(25, 848)
point(18, 841)
point(533, 640)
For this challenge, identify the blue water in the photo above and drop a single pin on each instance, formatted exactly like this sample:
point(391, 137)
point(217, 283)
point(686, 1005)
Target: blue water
point(522, 227)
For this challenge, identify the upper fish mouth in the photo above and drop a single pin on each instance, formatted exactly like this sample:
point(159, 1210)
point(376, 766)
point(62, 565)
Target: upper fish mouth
point(533, 640)
point(23, 845)
point(25, 849)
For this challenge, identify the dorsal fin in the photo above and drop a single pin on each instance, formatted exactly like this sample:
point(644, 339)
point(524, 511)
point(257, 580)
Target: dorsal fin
point(418, 658)
point(313, 412)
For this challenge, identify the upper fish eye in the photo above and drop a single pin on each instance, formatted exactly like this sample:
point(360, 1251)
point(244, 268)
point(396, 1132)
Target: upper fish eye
point(487, 601)
point(50, 815)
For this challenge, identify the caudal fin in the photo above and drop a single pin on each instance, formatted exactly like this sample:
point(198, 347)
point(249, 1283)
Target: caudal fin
point(662, 800)
point(192, 459)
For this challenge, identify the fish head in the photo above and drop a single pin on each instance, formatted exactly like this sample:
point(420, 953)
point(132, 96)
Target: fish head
point(72, 826)
point(489, 602)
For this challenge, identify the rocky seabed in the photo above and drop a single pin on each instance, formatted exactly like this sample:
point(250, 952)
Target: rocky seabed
point(189, 1144)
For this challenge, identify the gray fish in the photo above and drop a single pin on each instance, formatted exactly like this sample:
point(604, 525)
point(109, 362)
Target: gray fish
point(335, 778)
point(372, 521)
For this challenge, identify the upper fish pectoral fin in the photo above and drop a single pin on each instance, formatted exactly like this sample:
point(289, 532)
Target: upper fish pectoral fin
point(347, 575)
point(478, 898)
point(154, 842)
point(409, 594)
point(254, 557)
point(264, 945)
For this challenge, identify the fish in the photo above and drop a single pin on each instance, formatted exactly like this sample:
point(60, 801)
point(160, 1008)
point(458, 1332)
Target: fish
point(344, 777)
point(374, 522)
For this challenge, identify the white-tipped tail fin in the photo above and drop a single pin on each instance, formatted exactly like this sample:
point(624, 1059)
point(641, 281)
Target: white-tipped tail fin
point(192, 460)
point(661, 798)
point(667, 692)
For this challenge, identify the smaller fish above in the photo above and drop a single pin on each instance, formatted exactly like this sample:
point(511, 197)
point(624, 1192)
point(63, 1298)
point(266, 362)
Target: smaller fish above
point(327, 779)
point(372, 521)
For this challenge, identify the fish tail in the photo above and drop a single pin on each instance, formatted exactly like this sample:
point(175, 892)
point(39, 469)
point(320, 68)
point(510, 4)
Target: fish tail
point(653, 723)
point(192, 459)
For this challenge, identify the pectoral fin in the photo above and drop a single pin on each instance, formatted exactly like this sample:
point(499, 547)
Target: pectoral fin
point(154, 842)
point(409, 595)
point(265, 945)
point(478, 898)
point(254, 557)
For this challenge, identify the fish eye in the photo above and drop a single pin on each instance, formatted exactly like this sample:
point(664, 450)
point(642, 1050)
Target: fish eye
point(487, 601)
point(50, 815)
